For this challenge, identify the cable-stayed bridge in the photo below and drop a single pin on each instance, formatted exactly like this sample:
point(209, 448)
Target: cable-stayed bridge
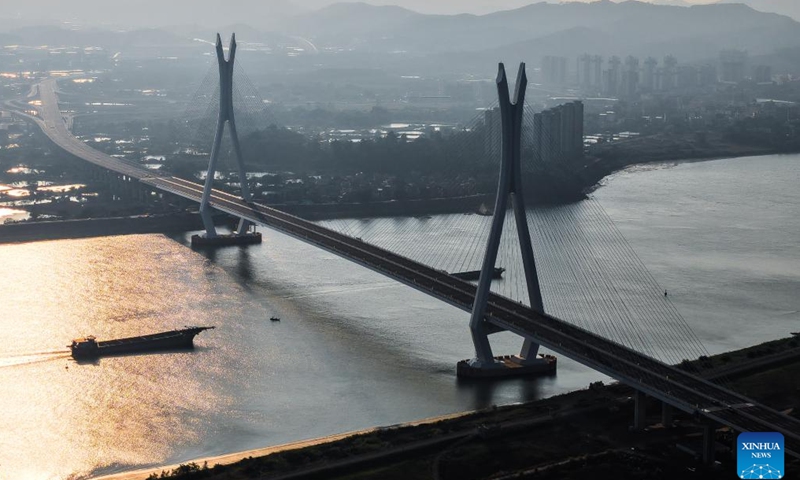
point(490, 311)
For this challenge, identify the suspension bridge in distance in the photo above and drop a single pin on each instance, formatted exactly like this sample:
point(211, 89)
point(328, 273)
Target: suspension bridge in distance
point(491, 312)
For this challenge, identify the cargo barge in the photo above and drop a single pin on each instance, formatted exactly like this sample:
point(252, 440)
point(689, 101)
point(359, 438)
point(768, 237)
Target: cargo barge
point(475, 275)
point(226, 240)
point(89, 347)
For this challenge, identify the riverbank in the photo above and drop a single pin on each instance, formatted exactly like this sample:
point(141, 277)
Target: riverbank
point(99, 227)
point(577, 435)
point(395, 208)
point(568, 185)
point(607, 159)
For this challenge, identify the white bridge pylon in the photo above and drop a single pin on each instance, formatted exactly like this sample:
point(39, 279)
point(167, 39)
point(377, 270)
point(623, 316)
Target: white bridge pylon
point(225, 116)
point(509, 185)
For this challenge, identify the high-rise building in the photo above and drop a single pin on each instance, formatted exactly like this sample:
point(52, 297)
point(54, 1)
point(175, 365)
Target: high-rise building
point(590, 71)
point(732, 64)
point(613, 76)
point(649, 78)
point(558, 133)
point(630, 77)
point(597, 66)
point(577, 130)
point(669, 73)
point(688, 76)
point(762, 74)
point(554, 70)
point(707, 75)
point(583, 72)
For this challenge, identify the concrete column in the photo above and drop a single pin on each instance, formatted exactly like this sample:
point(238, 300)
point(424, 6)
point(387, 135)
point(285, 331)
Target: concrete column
point(709, 441)
point(639, 411)
point(666, 414)
point(116, 186)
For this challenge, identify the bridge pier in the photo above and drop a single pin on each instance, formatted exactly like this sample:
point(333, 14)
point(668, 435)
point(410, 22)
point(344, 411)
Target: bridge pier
point(485, 364)
point(142, 193)
point(242, 235)
point(667, 414)
point(708, 453)
point(127, 187)
point(639, 411)
point(117, 186)
point(130, 188)
point(108, 179)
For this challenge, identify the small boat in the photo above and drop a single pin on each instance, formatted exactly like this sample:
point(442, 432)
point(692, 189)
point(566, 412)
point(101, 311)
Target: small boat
point(89, 347)
point(274, 319)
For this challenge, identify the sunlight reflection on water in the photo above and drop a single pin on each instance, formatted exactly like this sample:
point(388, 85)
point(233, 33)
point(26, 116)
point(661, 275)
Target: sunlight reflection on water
point(354, 350)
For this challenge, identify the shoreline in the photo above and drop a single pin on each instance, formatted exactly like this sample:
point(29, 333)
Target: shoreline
point(25, 232)
point(234, 457)
point(593, 177)
point(616, 169)
point(642, 166)
point(730, 366)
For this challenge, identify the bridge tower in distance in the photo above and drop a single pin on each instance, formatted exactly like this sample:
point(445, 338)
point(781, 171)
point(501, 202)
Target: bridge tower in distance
point(242, 235)
point(485, 364)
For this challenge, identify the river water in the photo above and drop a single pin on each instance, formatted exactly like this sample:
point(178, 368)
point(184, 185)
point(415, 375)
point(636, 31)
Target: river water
point(353, 349)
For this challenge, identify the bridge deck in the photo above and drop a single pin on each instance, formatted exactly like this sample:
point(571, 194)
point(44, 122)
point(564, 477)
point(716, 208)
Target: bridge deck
point(667, 383)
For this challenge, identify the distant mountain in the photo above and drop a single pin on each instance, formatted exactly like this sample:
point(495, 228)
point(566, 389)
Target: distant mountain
point(784, 7)
point(674, 3)
point(261, 14)
point(351, 19)
point(375, 34)
point(441, 7)
point(567, 29)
